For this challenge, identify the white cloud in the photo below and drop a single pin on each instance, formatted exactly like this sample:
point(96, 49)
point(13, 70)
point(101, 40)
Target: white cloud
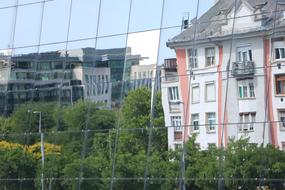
point(146, 44)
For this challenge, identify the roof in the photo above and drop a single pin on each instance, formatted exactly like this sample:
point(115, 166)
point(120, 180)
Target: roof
point(211, 22)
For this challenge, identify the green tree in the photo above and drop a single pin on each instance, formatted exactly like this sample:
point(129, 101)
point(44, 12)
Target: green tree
point(23, 120)
point(16, 164)
point(136, 116)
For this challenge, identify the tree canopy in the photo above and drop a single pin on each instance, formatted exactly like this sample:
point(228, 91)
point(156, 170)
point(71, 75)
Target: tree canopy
point(80, 149)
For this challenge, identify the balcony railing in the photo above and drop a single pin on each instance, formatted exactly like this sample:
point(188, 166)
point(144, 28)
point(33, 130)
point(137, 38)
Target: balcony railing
point(241, 69)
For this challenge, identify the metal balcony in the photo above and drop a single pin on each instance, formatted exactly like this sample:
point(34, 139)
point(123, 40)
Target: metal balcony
point(243, 69)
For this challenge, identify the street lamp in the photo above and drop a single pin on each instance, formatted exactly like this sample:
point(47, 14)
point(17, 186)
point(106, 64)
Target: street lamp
point(42, 145)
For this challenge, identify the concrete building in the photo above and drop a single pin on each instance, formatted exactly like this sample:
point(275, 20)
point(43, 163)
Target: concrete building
point(37, 77)
point(119, 60)
point(96, 82)
point(65, 77)
point(231, 73)
point(142, 75)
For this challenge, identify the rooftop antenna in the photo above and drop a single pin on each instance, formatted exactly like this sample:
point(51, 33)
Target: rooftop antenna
point(185, 21)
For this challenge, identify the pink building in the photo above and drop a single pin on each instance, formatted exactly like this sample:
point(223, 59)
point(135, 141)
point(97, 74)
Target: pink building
point(231, 67)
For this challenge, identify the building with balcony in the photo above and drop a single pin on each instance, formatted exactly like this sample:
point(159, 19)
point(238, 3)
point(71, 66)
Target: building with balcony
point(230, 63)
point(172, 103)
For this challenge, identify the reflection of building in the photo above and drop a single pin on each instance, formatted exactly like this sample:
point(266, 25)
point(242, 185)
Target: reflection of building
point(256, 82)
point(38, 77)
point(96, 82)
point(171, 102)
point(144, 75)
point(52, 76)
point(119, 60)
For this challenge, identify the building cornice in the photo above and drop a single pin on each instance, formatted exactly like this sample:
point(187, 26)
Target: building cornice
point(266, 33)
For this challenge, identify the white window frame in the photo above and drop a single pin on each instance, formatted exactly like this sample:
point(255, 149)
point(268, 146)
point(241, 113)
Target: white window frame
point(211, 127)
point(195, 122)
point(177, 146)
point(176, 123)
point(210, 57)
point(192, 59)
point(281, 116)
point(282, 93)
point(246, 84)
point(279, 49)
point(195, 86)
point(206, 92)
point(173, 94)
point(283, 145)
point(245, 126)
point(240, 52)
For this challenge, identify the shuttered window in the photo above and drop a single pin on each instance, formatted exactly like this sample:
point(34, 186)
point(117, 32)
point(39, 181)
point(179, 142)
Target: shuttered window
point(195, 94)
point(210, 92)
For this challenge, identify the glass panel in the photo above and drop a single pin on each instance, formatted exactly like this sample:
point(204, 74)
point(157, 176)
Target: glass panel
point(114, 17)
point(195, 94)
point(244, 91)
point(6, 19)
point(210, 92)
point(131, 151)
point(55, 21)
point(111, 53)
point(53, 47)
point(282, 53)
point(277, 54)
point(141, 21)
point(21, 2)
point(84, 19)
point(5, 4)
point(27, 25)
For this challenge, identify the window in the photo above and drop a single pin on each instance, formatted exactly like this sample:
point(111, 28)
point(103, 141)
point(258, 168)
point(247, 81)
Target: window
point(282, 119)
point(195, 93)
point(246, 88)
point(192, 54)
point(99, 85)
point(280, 84)
point(107, 84)
point(195, 122)
point(94, 79)
point(279, 53)
point(210, 92)
point(177, 146)
point(283, 146)
point(94, 90)
point(86, 78)
point(211, 121)
point(176, 123)
point(210, 56)
point(244, 54)
point(173, 94)
point(87, 90)
point(247, 121)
